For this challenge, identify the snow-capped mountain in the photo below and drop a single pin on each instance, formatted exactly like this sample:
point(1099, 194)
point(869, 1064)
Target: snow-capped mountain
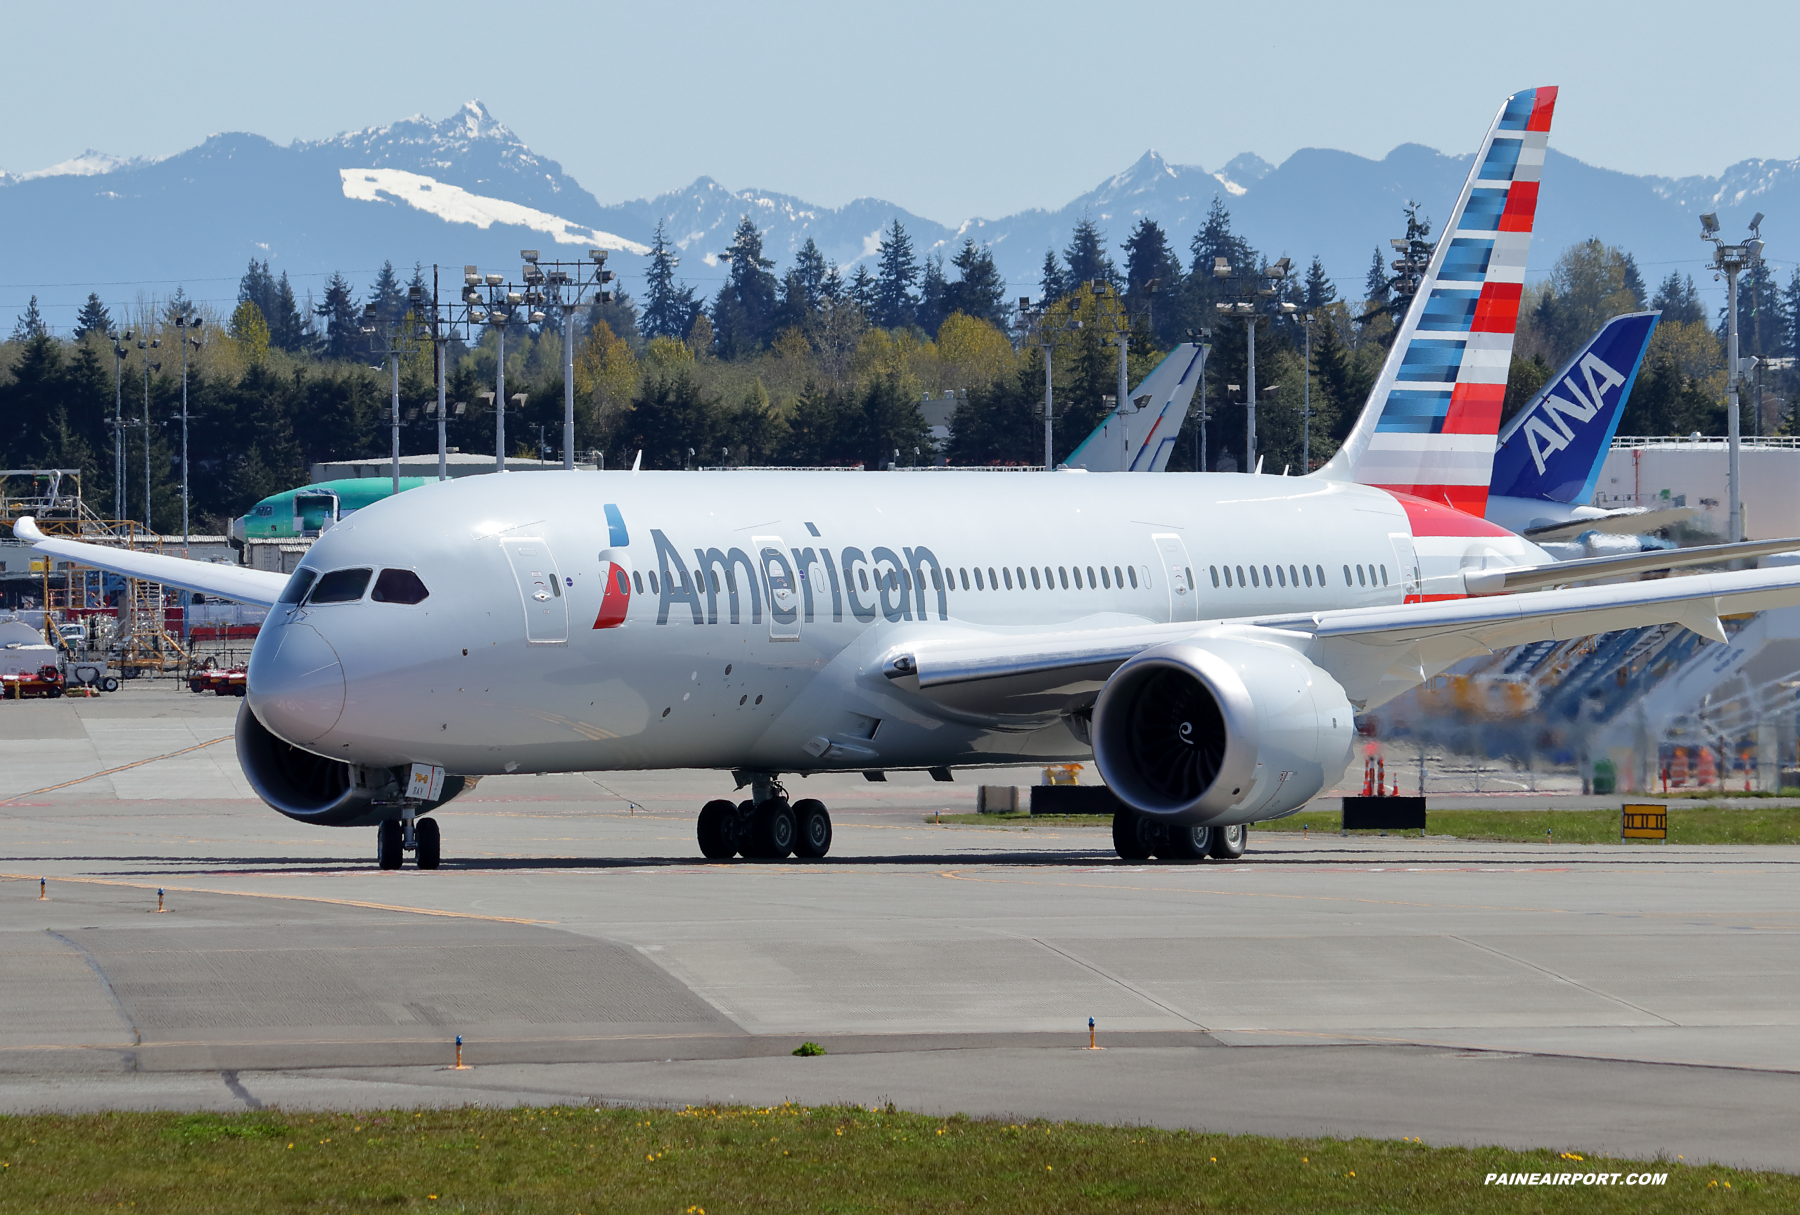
point(466, 189)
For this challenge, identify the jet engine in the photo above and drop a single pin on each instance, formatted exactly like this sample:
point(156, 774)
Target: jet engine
point(1221, 730)
point(314, 789)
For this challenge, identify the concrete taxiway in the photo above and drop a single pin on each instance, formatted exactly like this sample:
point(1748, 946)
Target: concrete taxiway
point(1629, 1000)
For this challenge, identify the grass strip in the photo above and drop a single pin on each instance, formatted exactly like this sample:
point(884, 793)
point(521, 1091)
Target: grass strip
point(1700, 824)
point(1696, 824)
point(789, 1158)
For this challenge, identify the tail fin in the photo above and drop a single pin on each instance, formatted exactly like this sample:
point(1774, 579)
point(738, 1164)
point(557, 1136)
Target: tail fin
point(1140, 434)
point(1554, 447)
point(1429, 425)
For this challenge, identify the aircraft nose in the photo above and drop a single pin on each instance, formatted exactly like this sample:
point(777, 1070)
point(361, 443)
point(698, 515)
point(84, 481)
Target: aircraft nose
point(297, 690)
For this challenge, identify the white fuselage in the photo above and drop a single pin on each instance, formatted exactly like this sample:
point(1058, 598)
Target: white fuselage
point(806, 578)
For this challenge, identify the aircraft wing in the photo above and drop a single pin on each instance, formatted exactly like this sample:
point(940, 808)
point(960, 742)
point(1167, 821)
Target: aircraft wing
point(1376, 653)
point(233, 582)
point(1500, 579)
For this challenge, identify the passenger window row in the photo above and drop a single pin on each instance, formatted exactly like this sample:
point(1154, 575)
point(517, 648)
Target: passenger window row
point(1050, 578)
point(1284, 576)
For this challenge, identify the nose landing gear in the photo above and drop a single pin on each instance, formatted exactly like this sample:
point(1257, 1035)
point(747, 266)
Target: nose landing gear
point(766, 827)
point(409, 833)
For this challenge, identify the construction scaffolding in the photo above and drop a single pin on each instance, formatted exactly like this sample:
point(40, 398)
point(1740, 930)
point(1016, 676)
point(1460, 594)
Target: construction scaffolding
point(134, 632)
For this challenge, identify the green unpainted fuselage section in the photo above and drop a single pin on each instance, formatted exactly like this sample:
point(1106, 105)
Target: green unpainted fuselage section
point(304, 511)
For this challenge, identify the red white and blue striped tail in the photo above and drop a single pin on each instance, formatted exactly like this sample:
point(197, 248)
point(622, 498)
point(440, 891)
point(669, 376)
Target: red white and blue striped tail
point(1429, 425)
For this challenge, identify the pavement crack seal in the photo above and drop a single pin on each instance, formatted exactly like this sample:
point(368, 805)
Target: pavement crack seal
point(1561, 978)
point(1116, 980)
point(238, 1090)
point(136, 763)
point(137, 1039)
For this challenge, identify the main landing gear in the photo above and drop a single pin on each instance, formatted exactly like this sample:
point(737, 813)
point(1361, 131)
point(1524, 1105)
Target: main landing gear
point(765, 828)
point(409, 833)
point(1138, 837)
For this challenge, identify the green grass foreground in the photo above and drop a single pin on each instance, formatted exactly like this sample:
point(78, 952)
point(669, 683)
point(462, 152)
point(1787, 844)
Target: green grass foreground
point(1698, 824)
point(788, 1158)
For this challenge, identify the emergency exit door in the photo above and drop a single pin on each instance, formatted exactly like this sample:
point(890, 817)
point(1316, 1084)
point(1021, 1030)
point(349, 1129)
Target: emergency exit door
point(1178, 575)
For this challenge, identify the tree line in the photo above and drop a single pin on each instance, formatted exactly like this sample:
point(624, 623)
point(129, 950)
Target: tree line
point(811, 365)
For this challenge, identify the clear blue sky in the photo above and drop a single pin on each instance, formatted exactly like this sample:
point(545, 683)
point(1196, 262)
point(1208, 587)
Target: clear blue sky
point(948, 109)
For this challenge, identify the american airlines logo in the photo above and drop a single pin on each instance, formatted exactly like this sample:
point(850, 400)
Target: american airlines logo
point(1548, 431)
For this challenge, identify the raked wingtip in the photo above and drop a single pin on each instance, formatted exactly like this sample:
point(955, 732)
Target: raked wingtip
point(26, 529)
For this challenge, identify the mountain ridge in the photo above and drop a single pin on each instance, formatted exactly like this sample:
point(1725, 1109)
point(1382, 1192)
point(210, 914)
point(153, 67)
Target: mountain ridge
point(202, 213)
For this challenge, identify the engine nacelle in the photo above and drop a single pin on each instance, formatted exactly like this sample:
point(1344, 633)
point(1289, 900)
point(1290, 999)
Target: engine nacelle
point(1221, 730)
point(314, 789)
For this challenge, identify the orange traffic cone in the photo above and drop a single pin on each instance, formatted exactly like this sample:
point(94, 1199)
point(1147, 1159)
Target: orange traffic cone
point(1709, 772)
point(1678, 771)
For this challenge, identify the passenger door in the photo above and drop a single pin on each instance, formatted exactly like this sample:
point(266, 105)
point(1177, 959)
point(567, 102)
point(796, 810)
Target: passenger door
point(540, 590)
point(1408, 560)
point(782, 585)
point(1178, 572)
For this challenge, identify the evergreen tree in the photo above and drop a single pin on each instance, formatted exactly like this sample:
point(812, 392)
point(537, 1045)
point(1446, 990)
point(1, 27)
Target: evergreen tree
point(894, 302)
point(1376, 291)
point(1215, 240)
point(31, 323)
point(979, 291)
point(287, 324)
point(806, 287)
point(744, 313)
point(343, 332)
point(1634, 282)
point(669, 307)
point(1053, 282)
point(1792, 301)
point(1086, 256)
point(93, 318)
point(1319, 288)
point(257, 287)
point(388, 296)
point(862, 290)
point(1149, 259)
point(933, 295)
point(1678, 301)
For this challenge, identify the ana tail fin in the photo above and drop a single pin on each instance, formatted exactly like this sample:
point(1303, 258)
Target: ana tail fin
point(1554, 447)
point(1429, 426)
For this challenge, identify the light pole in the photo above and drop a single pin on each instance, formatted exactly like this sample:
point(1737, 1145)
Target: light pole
point(1731, 260)
point(1306, 405)
point(1201, 338)
point(565, 285)
point(152, 344)
point(183, 323)
point(120, 352)
point(1259, 292)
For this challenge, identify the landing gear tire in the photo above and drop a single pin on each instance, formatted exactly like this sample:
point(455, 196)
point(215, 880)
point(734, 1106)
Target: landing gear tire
point(1134, 835)
point(1228, 842)
point(109, 684)
point(389, 852)
point(425, 835)
point(718, 830)
point(812, 839)
point(1186, 844)
point(774, 830)
point(743, 827)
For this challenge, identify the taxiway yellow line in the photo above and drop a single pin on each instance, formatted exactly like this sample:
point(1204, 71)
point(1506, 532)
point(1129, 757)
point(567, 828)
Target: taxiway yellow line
point(136, 763)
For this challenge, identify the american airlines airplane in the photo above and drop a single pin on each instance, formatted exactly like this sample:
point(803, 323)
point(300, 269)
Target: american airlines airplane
point(1207, 638)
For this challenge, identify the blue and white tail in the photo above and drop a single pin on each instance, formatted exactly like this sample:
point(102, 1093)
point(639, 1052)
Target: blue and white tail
point(1139, 435)
point(1429, 426)
point(1552, 449)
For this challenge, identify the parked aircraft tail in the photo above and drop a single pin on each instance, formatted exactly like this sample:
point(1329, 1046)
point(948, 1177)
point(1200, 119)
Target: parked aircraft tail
point(1554, 447)
point(1429, 426)
point(1140, 434)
